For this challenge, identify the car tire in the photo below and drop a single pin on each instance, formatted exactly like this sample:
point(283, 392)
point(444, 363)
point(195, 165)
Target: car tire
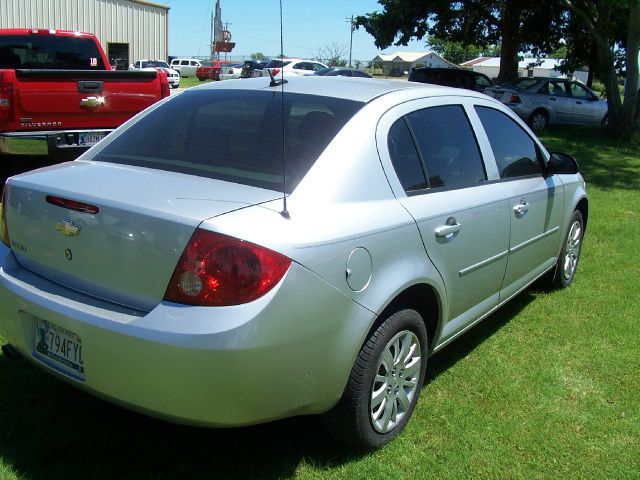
point(605, 121)
point(538, 120)
point(563, 274)
point(383, 388)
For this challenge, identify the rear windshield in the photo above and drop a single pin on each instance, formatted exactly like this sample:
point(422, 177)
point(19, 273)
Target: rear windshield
point(234, 135)
point(49, 52)
point(154, 64)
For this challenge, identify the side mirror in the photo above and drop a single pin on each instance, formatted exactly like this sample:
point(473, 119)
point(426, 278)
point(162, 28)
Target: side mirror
point(562, 163)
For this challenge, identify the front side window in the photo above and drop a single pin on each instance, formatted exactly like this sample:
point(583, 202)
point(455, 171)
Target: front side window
point(234, 136)
point(515, 151)
point(578, 91)
point(448, 146)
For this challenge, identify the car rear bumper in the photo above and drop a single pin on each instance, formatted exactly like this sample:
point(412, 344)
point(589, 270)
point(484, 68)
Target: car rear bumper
point(287, 353)
point(62, 143)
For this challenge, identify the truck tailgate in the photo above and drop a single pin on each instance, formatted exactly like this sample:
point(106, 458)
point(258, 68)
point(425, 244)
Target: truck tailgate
point(80, 99)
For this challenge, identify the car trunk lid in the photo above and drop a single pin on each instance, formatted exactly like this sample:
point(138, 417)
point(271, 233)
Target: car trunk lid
point(126, 251)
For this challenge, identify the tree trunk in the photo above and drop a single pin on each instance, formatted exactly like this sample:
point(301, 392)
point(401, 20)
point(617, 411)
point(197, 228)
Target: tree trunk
point(510, 42)
point(630, 114)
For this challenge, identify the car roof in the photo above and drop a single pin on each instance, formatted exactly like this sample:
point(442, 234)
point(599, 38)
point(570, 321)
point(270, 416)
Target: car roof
point(348, 88)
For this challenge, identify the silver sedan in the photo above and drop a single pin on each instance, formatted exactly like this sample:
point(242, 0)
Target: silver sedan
point(543, 101)
point(252, 250)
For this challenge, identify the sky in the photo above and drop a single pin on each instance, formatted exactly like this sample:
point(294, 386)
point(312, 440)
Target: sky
point(309, 25)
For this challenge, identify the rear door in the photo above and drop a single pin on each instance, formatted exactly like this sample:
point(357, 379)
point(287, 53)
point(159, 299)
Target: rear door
point(439, 176)
point(558, 101)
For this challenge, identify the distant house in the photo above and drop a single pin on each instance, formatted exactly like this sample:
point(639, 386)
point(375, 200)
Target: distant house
point(527, 67)
point(403, 62)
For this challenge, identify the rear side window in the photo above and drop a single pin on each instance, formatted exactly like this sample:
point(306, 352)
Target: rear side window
point(515, 151)
point(404, 157)
point(448, 146)
point(54, 52)
point(234, 135)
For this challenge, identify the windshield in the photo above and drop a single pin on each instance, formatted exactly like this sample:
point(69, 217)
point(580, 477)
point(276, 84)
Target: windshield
point(277, 64)
point(233, 135)
point(154, 64)
point(50, 52)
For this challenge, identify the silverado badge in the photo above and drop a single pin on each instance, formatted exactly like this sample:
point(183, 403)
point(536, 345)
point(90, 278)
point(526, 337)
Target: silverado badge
point(67, 228)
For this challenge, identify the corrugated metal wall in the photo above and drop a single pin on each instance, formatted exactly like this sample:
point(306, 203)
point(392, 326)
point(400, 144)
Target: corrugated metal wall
point(142, 26)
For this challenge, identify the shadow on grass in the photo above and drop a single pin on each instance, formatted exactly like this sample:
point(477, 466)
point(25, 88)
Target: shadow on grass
point(50, 430)
point(467, 342)
point(605, 161)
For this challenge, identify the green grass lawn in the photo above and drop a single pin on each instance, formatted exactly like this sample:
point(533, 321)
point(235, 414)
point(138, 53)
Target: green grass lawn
point(186, 82)
point(548, 387)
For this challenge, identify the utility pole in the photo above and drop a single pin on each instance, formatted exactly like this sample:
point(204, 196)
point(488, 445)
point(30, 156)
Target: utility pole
point(211, 44)
point(352, 28)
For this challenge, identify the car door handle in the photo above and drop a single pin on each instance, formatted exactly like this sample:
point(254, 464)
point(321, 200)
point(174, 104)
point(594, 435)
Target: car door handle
point(522, 208)
point(578, 102)
point(449, 229)
point(553, 99)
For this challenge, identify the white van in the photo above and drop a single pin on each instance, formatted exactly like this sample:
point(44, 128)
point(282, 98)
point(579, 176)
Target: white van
point(186, 66)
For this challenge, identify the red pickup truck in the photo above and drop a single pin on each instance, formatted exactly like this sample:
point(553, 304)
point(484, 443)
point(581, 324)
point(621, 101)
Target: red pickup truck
point(59, 96)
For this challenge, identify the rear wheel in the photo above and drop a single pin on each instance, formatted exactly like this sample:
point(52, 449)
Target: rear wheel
point(538, 120)
point(384, 384)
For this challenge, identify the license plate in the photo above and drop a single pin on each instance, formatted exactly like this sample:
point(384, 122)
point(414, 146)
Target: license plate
point(90, 139)
point(60, 347)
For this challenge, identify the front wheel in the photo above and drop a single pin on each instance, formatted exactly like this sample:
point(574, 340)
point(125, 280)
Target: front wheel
point(565, 270)
point(384, 384)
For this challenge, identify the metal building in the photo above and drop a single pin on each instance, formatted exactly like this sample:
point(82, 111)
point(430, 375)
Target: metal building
point(127, 29)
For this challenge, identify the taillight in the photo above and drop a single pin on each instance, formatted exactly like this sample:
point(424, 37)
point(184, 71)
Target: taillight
point(217, 270)
point(515, 99)
point(275, 72)
point(6, 101)
point(164, 84)
point(3, 207)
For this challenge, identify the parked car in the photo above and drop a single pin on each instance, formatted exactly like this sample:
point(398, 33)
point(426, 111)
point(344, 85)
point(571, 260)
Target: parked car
point(253, 68)
point(543, 101)
point(186, 67)
point(219, 283)
point(149, 65)
point(210, 69)
point(59, 95)
point(451, 77)
point(230, 72)
point(342, 72)
point(292, 66)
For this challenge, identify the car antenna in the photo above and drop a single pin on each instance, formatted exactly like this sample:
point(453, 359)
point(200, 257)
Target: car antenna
point(275, 83)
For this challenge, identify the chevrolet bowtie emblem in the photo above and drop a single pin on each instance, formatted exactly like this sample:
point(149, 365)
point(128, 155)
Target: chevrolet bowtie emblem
point(67, 228)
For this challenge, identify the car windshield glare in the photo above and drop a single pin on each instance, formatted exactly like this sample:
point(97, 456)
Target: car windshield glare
point(233, 135)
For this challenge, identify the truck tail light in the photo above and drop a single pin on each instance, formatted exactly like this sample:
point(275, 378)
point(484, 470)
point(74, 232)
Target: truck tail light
point(3, 207)
point(217, 270)
point(164, 84)
point(6, 101)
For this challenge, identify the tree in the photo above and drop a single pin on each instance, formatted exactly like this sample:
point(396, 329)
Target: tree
point(517, 25)
point(332, 55)
point(457, 52)
point(257, 56)
point(613, 28)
